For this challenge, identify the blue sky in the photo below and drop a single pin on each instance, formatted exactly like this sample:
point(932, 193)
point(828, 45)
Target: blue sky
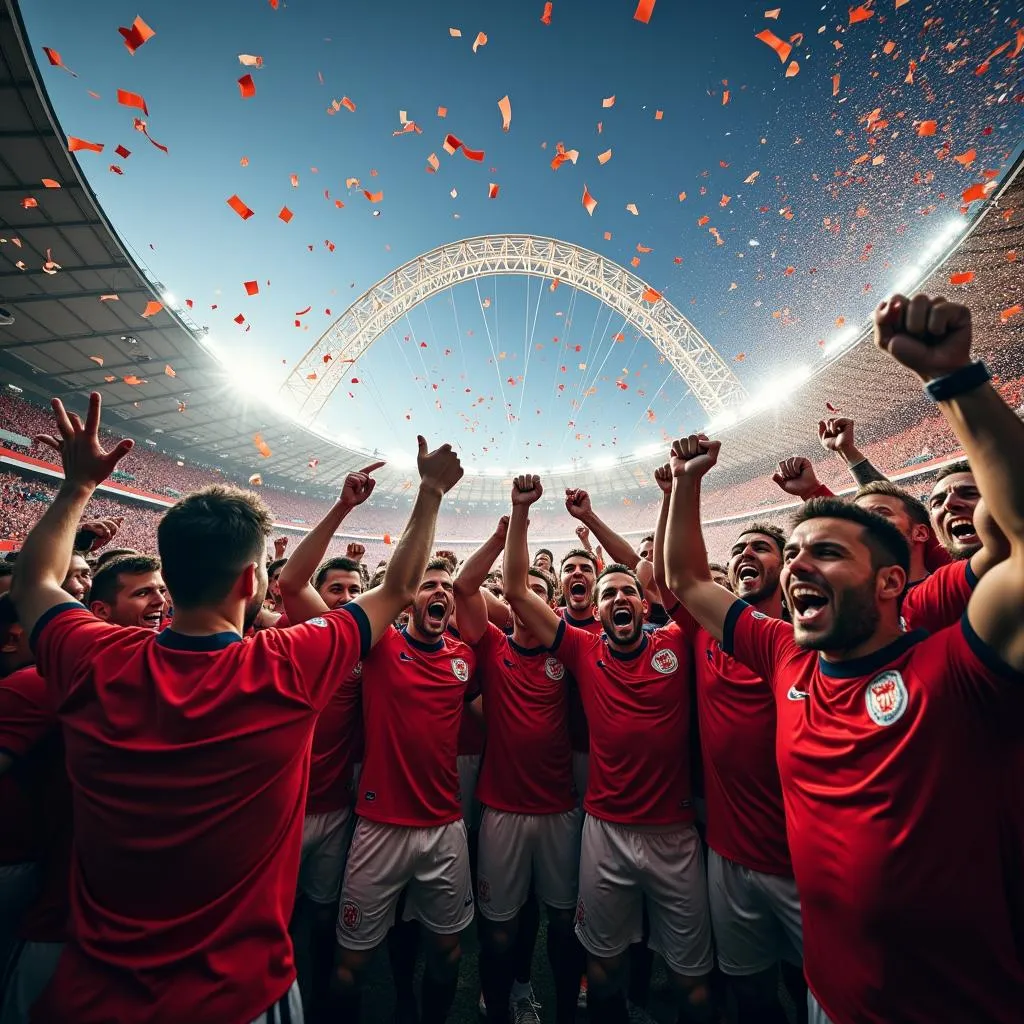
point(847, 229)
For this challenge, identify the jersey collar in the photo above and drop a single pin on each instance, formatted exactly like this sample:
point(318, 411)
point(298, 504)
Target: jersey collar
point(419, 644)
point(211, 642)
point(628, 655)
point(526, 652)
point(579, 623)
point(871, 662)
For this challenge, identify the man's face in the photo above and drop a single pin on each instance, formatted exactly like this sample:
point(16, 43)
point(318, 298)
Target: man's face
point(721, 578)
point(830, 586)
point(646, 550)
point(542, 561)
point(141, 600)
point(895, 511)
point(340, 586)
point(578, 585)
point(273, 589)
point(434, 604)
point(78, 579)
point(537, 587)
point(255, 604)
point(621, 608)
point(755, 563)
point(497, 589)
point(951, 507)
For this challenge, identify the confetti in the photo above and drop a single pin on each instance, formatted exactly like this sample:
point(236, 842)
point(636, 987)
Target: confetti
point(976, 192)
point(492, 191)
point(725, 97)
point(835, 85)
point(54, 58)
point(442, 111)
point(545, 18)
point(643, 11)
point(589, 202)
point(249, 61)
point(861, 13)
point(1008, 314)
point(432, 163)
point(631, 208)
point(374, 197)
point(132, 99)
point(608, 101)
point(562, 155)
point(133, 380)
point(256, 480)
point(239, 207)
point(135, 36)
point(252, 287)
point(966, 159)
point(751, 178)
point(481, 40)
point(152, 308)
point(122, 152)
point(793, 69)
point(28, 203)
point(505, 106)
point(455, 33)
point(926, 128)
point(773, 14)
point(285, 214)
point(780, 46)
point(965, 277)
point(140, 126)
point(603, 158)
point(247, 87)
point(650, 295)
point(74, 145)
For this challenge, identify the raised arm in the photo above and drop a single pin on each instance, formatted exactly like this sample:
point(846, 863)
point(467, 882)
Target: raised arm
point(538, 617)
point(44, 557)
point(301, 600)
point(440, 471)
point(837, 435)
point(470, 602)
point(577, 504)
point(933, 338)
point(796, 476)
point(663, 478)
point(686, 557)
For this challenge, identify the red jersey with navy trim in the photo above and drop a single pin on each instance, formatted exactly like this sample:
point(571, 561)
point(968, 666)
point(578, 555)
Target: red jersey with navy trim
point(892, 771)
point(638, 708)
point(527, 766)
point(579, 734)
point(337, 746)
point(188, 759)
point(939, 599)
point(413, 697)
point(737, 723)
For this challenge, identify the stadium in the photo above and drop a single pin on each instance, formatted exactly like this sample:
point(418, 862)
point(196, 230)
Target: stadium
point(215, 388)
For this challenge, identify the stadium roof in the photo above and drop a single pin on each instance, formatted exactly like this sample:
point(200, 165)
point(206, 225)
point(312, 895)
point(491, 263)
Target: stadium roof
point(65, 324)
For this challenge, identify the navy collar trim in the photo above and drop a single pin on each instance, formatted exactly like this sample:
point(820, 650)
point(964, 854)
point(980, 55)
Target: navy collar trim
point(527, 652)
point(579, 623)
point(871, 662)
point(419, 644)
point(628, 655)
point(211, 642)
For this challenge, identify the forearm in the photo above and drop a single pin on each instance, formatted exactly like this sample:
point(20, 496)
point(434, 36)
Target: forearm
point(475, 568)
point(860, 466)
point(618, 548)
point(686, 556)
point(517, 555)
point(303, 561)
point(405, 569)
point(46, 554)
point(660, 578)
point(993, 437)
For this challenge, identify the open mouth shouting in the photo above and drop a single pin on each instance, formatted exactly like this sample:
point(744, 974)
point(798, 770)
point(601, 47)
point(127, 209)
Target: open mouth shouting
point(437, 611)
point(622, 617)
point(152, 620)
point(748, 575)
point(808, 603)
point(578, 590)
point(961, 529)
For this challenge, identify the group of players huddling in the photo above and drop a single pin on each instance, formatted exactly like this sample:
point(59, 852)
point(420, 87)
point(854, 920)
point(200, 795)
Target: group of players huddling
point(851, 695)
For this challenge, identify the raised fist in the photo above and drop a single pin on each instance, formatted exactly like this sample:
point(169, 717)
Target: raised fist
point(584, 535)
point(359, 485)
point(577, 502)
point(693, 456)
point(101, 532)
point(501, 530)
point(836, 434)
point(796, 476)
point(280, 547)
point(526, 490)
point(355, 551)
point(439, 469)
point(663, 478)
point(928, 335)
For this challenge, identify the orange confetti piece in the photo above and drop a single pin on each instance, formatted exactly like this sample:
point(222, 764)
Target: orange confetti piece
point(140, 126)
point(432, 163)
point(252, 287)
point(589, 202)
point(261, 446)
point(608, 101)
point(110, 298)
point(658, 115)
point(926, 128)
point(75, 144)
point(505, 106)
point(643, 11)
point(255, 480)
point(135, 36)
point(132, 99)
point(835, 85)
point(889, 47)
point(374, 197)
point(29, 203)
point(133, 380)
point(860, 13)
point(780, 46)
point(348, 104)
point(239, 207)
point(442, 111)
point(1019, 44)
point(643, 248)
point(481, 40)
point(631, 208)
point(473, 154)
point(793, 69)
point(1008, 314)
point(239, 319)
point(650, 295)
point(110, 379)
point(562, 155)
point(249, 61)
point(492, 190)
point(607, 236)
point(295, 181)
point(455, 33)
point(724, 201)
point(54, 58)
point(169, 372)
point(703, 220)
point(966, 159)
point(285, 214)
point(152, 308)
point(682, 197)
point(545, 18)
point(976, 192)
point(725, 97)
point(635, 261)
point(247, 87)
point(98, 360)
point(603, 158)
point(965, 277)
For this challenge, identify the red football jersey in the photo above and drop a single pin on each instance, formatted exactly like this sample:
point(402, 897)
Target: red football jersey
point(527, 766)
point(413, 696)
point(736, 715)
point(892, 772)
point(638, 708)
point(337, 744)
point(939, 599)
point(188, 758)
point(579, 735)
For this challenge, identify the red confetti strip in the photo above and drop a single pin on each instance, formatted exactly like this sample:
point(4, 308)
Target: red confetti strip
point(74, 145)
point(247, 87)
point(132, 99)
point(643, 11)
point(135, 36)
point(239, 207)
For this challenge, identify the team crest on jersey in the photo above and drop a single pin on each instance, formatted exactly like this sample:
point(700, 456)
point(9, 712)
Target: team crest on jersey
point(758, 615)
point(886, 698)
point(483, 888)
point(665, 662)
point(460, 669)
point(554, 669)
point(318, 621)
point(351, 915)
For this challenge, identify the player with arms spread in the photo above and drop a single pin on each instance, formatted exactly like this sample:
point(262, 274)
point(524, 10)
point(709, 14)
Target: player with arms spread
point(892, 746)
point(180, 905)
point(639, 843)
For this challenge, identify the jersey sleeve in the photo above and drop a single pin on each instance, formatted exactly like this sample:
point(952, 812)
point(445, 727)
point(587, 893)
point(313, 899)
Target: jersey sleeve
point(683, 619)
point(64, 641)
point(27, 714)
point(765, 645)
point(572, 645)
point(321, 652)
point(940, 599)
point(977, 674)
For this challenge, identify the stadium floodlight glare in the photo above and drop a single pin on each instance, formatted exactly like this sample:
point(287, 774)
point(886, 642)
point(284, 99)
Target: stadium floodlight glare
point(842, 341)
point(908, 279)
point(649, 449)
point(724, 419)
point(498, 471)
point(603, 461)
point(169, 300)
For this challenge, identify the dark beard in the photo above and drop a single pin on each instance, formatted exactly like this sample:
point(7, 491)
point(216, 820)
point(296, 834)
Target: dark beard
point(638, 628)
point(856, 620)
point(766, 590)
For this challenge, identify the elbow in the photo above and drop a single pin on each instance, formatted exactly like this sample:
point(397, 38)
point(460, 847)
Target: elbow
point(463, 589)
point(291, 587)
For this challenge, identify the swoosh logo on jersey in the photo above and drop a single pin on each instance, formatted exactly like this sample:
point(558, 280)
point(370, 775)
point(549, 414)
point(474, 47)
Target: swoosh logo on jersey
point(795, 694)
point(402, 656)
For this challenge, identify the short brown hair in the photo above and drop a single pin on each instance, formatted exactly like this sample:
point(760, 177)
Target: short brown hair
point(207, 539)
point(439, 565)
point(915, 508)
point(885, 542)
point(545, 577)
point(960, 466)
point(768, 530)
point(111, 553)
point(340, 564)
point(107, 580)
point(577, 553)
point(614, 568)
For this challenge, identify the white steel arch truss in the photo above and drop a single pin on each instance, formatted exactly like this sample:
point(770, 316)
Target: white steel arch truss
point(329, 360)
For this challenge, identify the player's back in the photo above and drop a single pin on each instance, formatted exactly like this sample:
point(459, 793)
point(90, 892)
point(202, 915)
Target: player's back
point(188, 758)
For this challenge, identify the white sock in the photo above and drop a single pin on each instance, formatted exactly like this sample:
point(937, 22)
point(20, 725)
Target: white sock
point(521, 990)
